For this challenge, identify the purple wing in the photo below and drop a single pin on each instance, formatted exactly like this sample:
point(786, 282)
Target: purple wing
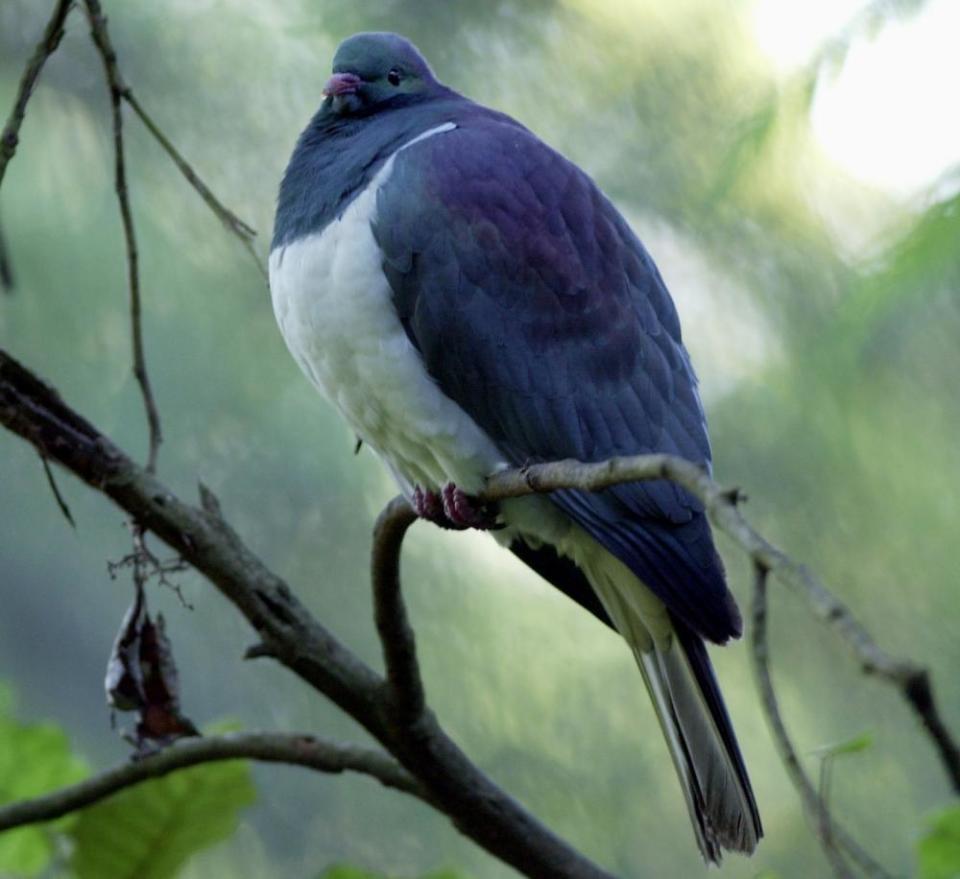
point(537, 310)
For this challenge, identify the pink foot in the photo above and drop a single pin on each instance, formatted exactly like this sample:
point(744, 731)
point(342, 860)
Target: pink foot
point(428, 505)
point(463, 511)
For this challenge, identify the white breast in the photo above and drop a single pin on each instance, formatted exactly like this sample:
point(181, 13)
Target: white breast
point(333, 304)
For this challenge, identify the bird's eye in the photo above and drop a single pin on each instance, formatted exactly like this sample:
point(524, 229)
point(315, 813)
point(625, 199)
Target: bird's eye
point(393, 77)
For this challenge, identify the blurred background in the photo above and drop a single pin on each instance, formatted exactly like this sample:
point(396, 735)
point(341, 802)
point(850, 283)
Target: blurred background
point(793, 168)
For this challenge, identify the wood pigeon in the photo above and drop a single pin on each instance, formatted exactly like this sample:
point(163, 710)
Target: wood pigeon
point(470, 301)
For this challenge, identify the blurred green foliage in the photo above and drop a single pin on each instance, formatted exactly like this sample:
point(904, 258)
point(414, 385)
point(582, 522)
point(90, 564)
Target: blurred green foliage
point(145, 832)
point(34, 759)
point(151, 830)
point(939, 850)
point(822, 316)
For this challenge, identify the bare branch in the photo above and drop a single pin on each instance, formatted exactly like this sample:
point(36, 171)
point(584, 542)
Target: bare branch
point(52, 482)
point(295, 749)
point(34, 411)
point(832, 837)
point(478, 808)
point(911, 680)
point(52, 35)
point(918, 691)
point(238, 227)
point(98, 32)
point(258, 651)
point(233, 223)
point(396, 636)
point(6, 266)
point(815, 808)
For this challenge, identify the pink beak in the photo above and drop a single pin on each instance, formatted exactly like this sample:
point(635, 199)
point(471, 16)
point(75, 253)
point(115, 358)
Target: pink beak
point(342, 84)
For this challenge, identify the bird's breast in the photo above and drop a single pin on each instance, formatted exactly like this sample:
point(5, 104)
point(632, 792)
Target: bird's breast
point(335, 309)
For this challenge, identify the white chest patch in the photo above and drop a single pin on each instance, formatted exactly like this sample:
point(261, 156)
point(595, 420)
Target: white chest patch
point(333, 304)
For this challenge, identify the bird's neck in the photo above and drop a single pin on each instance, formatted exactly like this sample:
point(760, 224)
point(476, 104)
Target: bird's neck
point(337, 156)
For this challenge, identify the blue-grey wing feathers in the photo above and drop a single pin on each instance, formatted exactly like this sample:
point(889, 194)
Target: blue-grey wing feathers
point(536, 309)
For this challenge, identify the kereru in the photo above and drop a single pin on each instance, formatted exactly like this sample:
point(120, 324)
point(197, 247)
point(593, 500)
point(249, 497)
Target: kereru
point(470, 301)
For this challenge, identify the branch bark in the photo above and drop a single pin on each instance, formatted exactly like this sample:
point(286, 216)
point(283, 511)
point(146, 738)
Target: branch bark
point(481, 810)
point(831, 836)
point(394, 710)
point(101, 39)
point(48, 44)
point(230, 220)
point(293, 749)
point(722, 506)
point(7, 282)
point(393, 627)
point(287, 631)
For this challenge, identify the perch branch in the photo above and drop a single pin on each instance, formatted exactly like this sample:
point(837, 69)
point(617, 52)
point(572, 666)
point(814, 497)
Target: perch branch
point(31, 409)
point(201, 536)
point(396, 635)
point(52, 35)
point(912, 680)
point(394, 711)
point(294, 749)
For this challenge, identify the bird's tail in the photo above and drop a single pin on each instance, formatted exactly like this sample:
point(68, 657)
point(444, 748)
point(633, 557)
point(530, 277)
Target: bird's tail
point(697, 728)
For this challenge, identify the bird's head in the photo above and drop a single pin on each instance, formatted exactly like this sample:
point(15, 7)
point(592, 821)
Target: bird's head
point(373, 71)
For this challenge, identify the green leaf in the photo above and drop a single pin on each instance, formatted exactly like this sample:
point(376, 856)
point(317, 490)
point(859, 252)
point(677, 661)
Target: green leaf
point(939, 851)
point(851, 746)
point(34, 760)
point(150, 831)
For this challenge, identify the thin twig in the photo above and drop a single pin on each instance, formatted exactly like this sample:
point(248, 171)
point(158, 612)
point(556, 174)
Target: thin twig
point(832, 836)
point(6, 266)
point(98, 32)
point(396, 635)
point(52, 35)
point(31, 409)
point(292, 748)
point(912, 680)
point(477, 807)
point(238, 227)
point(243, 231)
point(815, 808)
point(826, 828)
point(61, 503)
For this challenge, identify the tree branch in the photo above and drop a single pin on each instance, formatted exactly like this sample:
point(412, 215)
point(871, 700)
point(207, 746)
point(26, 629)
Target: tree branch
point(233, 223)
point(121, 91)
point(396, 635)
point(34, 411)
point(480, 809)
point(816, 809)
point(294, 749)
point(55, 489)
point(101, 39)
point(394, 711)
point(52, 35)
point(912, 680)
point(821, 821)
point(7, 282)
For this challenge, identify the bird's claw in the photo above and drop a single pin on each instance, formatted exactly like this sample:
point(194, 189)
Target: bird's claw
point(453, 509)
point(428, 505)
point(464, 511)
